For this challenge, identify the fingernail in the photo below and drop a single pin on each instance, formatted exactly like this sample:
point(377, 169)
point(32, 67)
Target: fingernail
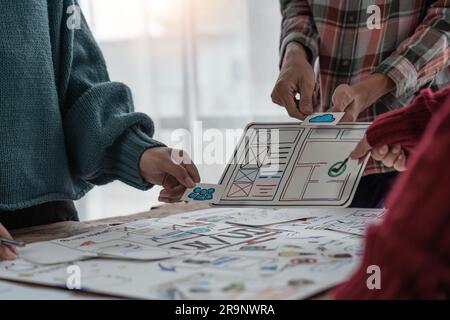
point(189, 182)
point(14, 250)
point(10, 255)
point(384, 149)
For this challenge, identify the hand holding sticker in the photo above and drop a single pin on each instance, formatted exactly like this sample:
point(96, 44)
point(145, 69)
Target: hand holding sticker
point(202, 193)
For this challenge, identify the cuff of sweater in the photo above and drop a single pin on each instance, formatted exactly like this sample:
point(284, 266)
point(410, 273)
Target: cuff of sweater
point(402, 72)
point(400, 126)
point(123, 157)
point(404, 270)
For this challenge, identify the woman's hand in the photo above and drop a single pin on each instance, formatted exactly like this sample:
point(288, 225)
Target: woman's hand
point(171, 168)
point(6, 252)
point(390, 155)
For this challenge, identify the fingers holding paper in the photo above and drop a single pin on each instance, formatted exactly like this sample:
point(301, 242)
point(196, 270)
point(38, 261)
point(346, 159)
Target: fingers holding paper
point(172, 169)
point(392, 156)
point(6, 252)
point(346, 100)
point(172, 194)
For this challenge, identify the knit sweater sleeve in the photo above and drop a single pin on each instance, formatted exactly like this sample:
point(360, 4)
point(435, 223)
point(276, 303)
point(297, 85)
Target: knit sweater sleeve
point(406, 126)
point(104, 137)
point(412, 245)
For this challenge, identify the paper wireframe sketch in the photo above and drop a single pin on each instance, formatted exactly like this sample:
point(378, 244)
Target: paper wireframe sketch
point(107, 243)
point(291, 165)
point(323, 119)
point(270, 216)
point(253, 217)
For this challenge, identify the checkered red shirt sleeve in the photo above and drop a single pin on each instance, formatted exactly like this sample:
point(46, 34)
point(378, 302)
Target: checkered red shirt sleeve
point(298, 26)
point(411, 46)
point(421, 56)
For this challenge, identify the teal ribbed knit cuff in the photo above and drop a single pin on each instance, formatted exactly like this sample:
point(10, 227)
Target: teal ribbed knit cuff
point(122, 159)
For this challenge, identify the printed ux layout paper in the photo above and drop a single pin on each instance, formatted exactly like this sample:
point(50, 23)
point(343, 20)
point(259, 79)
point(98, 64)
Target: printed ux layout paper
point(287, 164)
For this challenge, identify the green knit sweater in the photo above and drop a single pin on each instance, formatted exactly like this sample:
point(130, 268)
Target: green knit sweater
point(64, 126)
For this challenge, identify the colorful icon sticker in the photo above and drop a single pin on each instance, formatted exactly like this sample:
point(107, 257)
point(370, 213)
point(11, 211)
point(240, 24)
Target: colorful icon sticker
point(327, 118)
point(204, 192)
point(201, 194)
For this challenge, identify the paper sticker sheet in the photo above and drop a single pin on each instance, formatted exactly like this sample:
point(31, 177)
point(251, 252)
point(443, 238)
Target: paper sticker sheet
point(293, 165)
point(323, 119)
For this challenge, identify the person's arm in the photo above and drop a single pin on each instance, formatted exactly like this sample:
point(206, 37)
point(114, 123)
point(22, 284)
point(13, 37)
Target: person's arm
point(298, 51)
point(298, 26)
point(416, 62)
point(395, 132)
point(412, 245)
point(406, 126)
point(105, 139)
point(422, 55)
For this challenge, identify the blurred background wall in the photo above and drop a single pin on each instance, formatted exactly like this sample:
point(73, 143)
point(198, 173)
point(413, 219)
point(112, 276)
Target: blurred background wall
point(190, 64)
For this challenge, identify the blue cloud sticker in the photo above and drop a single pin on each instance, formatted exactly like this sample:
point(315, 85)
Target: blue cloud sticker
point(323, 118)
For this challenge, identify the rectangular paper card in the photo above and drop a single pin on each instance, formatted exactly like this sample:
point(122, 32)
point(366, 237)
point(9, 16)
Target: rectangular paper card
point(203, 193)
point(323, 119)
point(291, 165)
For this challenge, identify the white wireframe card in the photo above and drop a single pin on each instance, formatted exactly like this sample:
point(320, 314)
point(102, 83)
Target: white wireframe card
point(288, 164)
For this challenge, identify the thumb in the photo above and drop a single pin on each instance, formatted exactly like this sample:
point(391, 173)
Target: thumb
point(361, 149)
point(306, 98)
point(342, 98)
point(6, 252)
point(179, 172)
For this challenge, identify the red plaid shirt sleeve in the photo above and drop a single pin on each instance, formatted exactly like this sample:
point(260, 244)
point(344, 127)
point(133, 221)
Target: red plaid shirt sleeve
point(298, 26)
point(421, 56)
point(411, 46)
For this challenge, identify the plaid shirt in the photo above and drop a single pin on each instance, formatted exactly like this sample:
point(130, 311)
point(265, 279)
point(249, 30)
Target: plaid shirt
point(411, 47)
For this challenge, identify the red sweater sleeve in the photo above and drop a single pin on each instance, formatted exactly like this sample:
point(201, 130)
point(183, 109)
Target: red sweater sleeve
point(406, 126)
point(412, 245)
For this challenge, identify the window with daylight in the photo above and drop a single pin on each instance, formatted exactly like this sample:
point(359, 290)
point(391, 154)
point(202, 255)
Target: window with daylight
point(192, 65)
